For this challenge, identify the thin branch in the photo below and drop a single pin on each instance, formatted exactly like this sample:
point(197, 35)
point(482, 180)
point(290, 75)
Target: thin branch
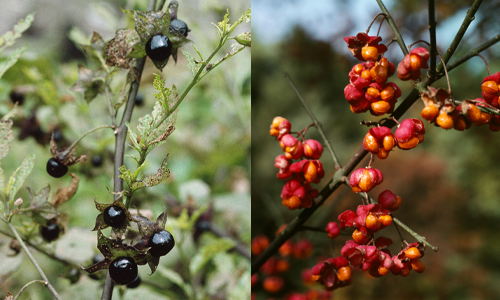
point(120, 139)
point(460, 34)
point(432, 33)
point(73, 145)
point(40, 249)
point(33, 260)
point(110, 105)
point(414, 234)
point(395, 30)
point(316, 122)
point(473, 52)
point(28, 284)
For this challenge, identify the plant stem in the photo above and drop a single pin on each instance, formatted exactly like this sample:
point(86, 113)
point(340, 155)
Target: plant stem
point(316, 122)
point(35, 263)
point(395, 30)
point(414, 234)
point(68, 150)
point(110, 105)
point(27, 284)
point(473, 52)
point(120, 139)
point(39, 249)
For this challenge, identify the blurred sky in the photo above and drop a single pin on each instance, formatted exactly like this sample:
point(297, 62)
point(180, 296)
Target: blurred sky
point(274, 20)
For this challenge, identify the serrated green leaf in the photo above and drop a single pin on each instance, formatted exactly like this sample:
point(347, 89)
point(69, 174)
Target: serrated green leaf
point(9, 37)
point(152, 179)
point(6, 137)
point(192, 65)
point(5, 65)
point(126, 174)
point(133, 137)
point(17, 179)
point(208, 252)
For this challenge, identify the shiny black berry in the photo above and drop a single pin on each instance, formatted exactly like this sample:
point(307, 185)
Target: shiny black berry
point(114, 216)
point(159, 47)
point(55, 168)
point(180, 26)
point(161, 243)
point(123, 270)
point(134, 283)
point(17, 97)
point(50, 232)
point(57, 135)
point(96, 160)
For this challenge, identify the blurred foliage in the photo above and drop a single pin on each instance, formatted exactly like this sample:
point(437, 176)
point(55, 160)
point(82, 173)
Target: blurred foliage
point(210, 146)
point(449, 184)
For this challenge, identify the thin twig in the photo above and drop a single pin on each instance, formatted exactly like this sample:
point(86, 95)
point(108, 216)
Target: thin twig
point(27, 284)
point(68, 150)
point(414, 234)
point(473, 52)
point(33, 260)
point(110, 105)
point(316, 122)
point(395, 30)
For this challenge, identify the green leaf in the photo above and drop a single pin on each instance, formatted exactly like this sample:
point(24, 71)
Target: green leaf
point(208, 252)
point(42, 209)
point(6, 137)
point(9, 37)
point(192, 63)
point(126, 174)
point(133, 137)
point(89, 83)
point(5, 65)
point(17, 179)
point(153, 179)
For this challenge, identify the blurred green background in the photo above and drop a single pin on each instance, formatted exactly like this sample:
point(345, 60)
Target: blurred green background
point(208, 152)
point(449, 184)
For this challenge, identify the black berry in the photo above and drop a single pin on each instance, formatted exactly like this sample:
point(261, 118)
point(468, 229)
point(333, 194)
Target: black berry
point(16, 96)
point(57, 135)
point(134, 283)
point(114, 216)
point(96, 160)
point(159, 47)
point(55, 168)
point(139, 100)
point(123, 270)
point(180, 26)
point(161, 243)
point(50, 232)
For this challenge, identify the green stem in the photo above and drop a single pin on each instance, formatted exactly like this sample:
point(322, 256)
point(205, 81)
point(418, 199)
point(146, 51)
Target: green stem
point(28, 284)
point(40, 249)
point(419, 238)
point(316, 122)
point(68, 150)
point(395, 30)
point(110, 105)
point(33, 260)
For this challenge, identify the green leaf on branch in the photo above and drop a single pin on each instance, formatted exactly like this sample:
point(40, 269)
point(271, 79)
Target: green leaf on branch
point(9, 37)
point(5, 65)
point(17, 179)
point(152, 179)
point(90, 83)
point(40, 206)
point(126, 175)
point(193, 65)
